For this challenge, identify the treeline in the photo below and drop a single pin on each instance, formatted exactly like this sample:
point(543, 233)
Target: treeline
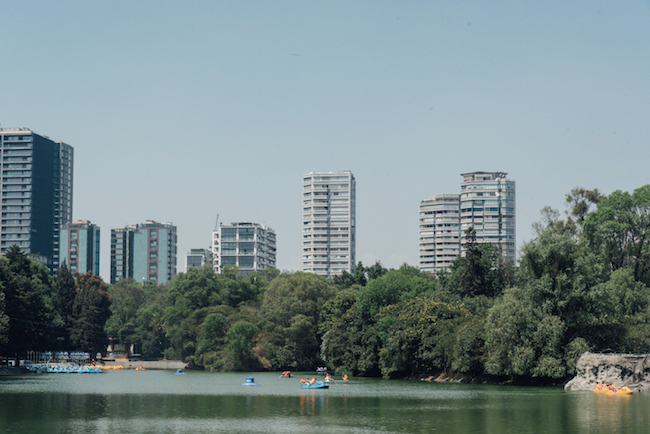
point(38, 311)
point(580, 285)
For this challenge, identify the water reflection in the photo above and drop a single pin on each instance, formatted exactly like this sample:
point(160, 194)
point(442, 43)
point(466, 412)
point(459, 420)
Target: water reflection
point(159, 402)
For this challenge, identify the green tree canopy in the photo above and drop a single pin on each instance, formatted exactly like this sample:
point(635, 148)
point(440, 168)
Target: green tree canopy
point(91, 310)
point(27, 285)
point(127, 296)
point(619, 231)
point(394, 286)
point(63, 295)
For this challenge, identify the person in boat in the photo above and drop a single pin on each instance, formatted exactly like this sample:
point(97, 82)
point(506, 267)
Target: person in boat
point(328, 377)
point(313, 380)
point(345, 377)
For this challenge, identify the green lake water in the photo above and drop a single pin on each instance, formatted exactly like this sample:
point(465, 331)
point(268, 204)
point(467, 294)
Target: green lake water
point(163, 402)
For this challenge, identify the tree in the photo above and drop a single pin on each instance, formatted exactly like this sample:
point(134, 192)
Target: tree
point(481, 271)
point(581, 202)
point(295, 294)
point(395, 286)
point(418, 336)
point(4, 320)
point(240, 343)
point(27, 303)
point(337, 306)
point(200, 292)
point(551, 222)
point(63, 295)
point(149, 320)
point(619, 231)
point(126, 296)
point(359, 275)
point(291, 316)
point(91, 310)
point(211, 339)
point(352, 345)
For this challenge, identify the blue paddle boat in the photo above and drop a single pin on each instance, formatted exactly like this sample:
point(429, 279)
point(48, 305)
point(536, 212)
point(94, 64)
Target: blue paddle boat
point(307, 384)
point(250, 381)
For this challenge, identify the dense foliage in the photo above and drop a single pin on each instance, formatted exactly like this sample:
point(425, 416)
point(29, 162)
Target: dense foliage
point(580, 285)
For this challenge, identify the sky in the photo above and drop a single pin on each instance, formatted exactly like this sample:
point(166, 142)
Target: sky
point(182, 111)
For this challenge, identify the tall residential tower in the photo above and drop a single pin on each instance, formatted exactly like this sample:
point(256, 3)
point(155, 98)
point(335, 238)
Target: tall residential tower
point(439, 231)
point(145, 251)
point(80, 247)
point(36, 184)
point(328, 222)
point(487, 204)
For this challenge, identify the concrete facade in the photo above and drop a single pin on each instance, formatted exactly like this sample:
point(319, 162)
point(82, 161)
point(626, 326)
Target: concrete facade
point(487, 204)
point(439, 232)
point(197, 258)
point(328, 222)
point(248, 246)
point(80, 247)
point(145, 251)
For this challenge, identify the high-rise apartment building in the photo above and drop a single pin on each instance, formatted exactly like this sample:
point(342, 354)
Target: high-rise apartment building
point(328, 222)
point(248, 246)
point(80, 247)
point(197, 258)
point(145, 251)
point(439, 232)
point(36, 185)
point(487, 204)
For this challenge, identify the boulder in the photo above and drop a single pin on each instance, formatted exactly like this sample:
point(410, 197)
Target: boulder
point(631, 370)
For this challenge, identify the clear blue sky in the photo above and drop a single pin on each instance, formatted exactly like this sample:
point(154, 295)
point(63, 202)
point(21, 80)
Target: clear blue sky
point(182, 110)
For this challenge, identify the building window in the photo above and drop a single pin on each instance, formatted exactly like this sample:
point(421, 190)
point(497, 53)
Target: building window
point(229, 248)
point(246, 262)
point(246, 248)
point(228, 233)
point(229, 260)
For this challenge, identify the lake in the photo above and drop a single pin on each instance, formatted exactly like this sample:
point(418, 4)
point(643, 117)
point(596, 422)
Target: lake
point(157, 401)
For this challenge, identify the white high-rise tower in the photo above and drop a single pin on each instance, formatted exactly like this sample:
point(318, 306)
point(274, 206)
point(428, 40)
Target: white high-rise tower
point(328, 222)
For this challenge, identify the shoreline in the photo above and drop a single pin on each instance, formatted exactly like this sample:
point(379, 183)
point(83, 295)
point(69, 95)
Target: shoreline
point(125, 363)
point(13, 371)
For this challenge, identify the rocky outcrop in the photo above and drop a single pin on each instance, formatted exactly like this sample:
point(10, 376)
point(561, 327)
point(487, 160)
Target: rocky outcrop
point(619, 370)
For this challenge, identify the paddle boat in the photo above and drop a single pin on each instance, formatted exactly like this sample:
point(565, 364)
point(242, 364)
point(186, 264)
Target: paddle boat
point(111, 367)
point(329, 379)
point(140, 368)
point(611, 390)
point(179, 371)
point(68, 369)
point(321, 370)
point(313, 384)
point(250, 381)
point(286, 374)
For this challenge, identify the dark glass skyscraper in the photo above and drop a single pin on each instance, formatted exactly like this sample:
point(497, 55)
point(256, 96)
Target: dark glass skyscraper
point(36, 185)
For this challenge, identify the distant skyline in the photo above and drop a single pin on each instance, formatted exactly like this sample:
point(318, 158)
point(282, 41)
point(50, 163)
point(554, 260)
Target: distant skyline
point(179, 111)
